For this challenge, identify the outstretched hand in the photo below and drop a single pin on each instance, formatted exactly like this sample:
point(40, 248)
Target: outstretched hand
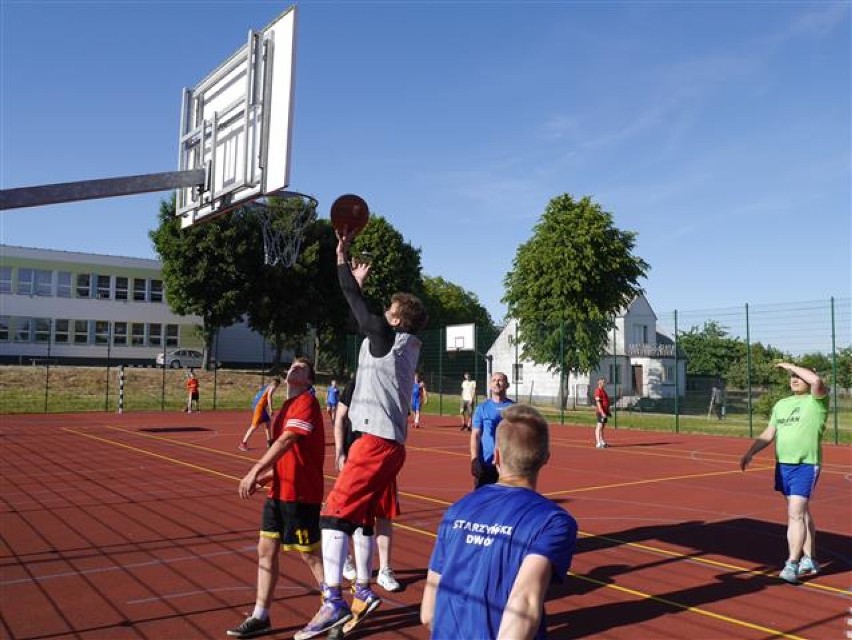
point(360, 271)
point(344, 240)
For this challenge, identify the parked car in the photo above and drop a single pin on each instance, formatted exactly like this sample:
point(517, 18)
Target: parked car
point(181, 358)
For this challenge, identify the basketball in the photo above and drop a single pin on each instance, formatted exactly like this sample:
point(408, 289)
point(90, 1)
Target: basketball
point(349, 213)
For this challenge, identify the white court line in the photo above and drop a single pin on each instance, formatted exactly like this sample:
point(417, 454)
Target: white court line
point(124, 567)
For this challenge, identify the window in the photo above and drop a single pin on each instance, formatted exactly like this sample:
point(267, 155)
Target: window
point(81, 332)
point(63, 284)
point(23, 329)
point(43, 282)
point(103, 287)
point(640, 334)
point(668, 375)
point(101, 332)
point(42, 329)
point(84, 285)
point(139, 289)
point(518, 373)
point(26, 278)
point(120, 288)
point(155, 335)
point(156, 290)
point(137, 334)
point(4, 328)
point(5, 279)
point(119, 334)
point(60, 332)
point(614, 374)
point(172, 335)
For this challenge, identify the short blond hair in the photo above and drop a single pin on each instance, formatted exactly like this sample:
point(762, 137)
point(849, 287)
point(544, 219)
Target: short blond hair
point(523, 438)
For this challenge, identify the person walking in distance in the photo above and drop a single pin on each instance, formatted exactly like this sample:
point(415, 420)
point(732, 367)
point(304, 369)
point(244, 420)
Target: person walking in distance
point(499, 548)
point(601, 413)
point(192, 392)
point(483, 436)
point(419, 398)
point(468, 399)
point(379, 410)
point(332, 396)
point(293, 466)
point(261, 413)
point(797, 425)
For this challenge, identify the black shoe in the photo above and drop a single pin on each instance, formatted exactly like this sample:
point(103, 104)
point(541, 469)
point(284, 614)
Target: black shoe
point(251, 628)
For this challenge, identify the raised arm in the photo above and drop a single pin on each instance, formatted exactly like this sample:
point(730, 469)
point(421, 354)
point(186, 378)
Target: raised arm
point(811, 378)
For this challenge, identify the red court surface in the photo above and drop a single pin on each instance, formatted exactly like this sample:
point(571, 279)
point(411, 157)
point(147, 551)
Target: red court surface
point(130, 527)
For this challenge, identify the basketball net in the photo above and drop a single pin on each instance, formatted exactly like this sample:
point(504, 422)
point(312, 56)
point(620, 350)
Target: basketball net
point(284, 217)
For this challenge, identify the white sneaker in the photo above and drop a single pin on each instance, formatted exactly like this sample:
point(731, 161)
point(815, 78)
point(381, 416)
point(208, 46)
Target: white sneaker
point(387, 581)
point(349, 569)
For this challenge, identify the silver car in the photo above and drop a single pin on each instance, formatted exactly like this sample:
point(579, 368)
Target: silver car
point(181, 358)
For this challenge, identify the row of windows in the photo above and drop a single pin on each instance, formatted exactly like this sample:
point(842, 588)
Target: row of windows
point(64, 284)
point(88, 332)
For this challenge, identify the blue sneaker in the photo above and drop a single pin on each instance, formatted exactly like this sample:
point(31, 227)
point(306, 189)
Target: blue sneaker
point(331, 615)
point(364, 601)
point(808, 566)
point(790, 572)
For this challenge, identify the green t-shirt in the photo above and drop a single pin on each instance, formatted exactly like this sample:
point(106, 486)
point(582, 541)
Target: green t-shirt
point(799, 423)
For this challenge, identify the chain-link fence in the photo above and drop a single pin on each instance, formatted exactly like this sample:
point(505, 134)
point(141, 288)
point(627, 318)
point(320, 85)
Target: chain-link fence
point(704, 370)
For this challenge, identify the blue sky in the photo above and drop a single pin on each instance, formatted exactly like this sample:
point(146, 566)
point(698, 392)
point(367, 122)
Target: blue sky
point(719, 131)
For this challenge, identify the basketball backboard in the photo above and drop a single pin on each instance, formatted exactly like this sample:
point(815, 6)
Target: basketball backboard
point(236, 124)
point(461, 337)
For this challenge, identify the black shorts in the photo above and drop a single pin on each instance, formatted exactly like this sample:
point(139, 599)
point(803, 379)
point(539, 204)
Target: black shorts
point(295, 524)
point(194, 395)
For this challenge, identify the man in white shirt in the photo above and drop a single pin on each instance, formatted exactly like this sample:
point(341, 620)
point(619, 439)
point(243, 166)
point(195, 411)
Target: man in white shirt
point(468, 400)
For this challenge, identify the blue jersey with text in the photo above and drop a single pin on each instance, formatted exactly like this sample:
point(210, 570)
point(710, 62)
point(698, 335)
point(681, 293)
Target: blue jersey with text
point(486, 418)
point(482, 542)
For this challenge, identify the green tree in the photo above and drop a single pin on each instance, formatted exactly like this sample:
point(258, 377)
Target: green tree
point(569, 281)
point(395, 263)
point(203, 268)
point(448, 303)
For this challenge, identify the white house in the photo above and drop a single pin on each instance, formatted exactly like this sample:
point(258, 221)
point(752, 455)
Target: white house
point(83, 308)
point(639, 362)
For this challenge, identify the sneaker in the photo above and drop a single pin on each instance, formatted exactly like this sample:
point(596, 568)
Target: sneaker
point(349, 571)
point(790, 573)
point(243, 447)
point(251, 628)
point(387, 580)
point(808, 566)
point(364, 601)
point(600, 445)
point(331, 615)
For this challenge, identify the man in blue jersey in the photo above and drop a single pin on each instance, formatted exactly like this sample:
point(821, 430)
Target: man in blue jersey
point(499, 548)
point(483, 435)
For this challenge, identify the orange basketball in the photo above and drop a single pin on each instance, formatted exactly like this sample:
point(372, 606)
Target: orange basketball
point(349, 212)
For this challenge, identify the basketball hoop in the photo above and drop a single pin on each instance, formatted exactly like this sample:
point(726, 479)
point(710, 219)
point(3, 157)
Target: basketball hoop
point(284, 217)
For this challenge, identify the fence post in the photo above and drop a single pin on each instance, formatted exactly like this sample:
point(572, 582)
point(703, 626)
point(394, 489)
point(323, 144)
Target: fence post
point(47, 372)
point(441, 371)
point(616, 375)
point(562, 372)
point(163, 384)
point(748, 374)
point(216, 370)
point(109, 353)
point(121, 388)
point(677, 378)
point(834, 374)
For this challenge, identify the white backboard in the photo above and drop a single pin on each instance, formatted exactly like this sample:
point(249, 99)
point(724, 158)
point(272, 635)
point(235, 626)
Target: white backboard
point(461, 337)
point(237, 124)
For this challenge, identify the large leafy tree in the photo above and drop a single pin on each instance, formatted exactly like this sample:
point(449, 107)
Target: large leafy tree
point(204, 267)
point(569, 281)
point(710, 349)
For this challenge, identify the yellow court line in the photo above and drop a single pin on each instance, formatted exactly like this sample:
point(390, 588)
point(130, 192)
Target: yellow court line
point(683, 607)
point(636, 545)
point(634, 483)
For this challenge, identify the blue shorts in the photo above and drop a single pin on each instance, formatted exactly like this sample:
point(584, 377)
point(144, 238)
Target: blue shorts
point(415, 404)
point(796, 479)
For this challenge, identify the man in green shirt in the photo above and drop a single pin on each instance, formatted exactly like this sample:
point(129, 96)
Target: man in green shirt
point(797, 424)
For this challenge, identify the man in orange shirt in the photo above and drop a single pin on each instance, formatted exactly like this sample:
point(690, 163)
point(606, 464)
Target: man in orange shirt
point(192, 392)
point(293, 465)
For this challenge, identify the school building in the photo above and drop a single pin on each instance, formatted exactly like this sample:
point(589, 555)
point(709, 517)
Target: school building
point(83, 308)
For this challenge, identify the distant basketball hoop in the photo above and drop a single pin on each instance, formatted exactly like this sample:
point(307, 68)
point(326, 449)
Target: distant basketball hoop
point(460, 337)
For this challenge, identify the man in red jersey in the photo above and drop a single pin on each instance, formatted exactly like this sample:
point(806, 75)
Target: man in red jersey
point(293, 465)
point(602, 413)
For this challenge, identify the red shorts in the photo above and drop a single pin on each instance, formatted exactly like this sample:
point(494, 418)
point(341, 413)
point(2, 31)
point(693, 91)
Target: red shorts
point(388, 505)
point(363, 489)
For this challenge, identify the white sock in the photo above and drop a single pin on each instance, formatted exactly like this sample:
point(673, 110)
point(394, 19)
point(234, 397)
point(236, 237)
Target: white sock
point(260, 613)
point(334, 546)
point(362, 547)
